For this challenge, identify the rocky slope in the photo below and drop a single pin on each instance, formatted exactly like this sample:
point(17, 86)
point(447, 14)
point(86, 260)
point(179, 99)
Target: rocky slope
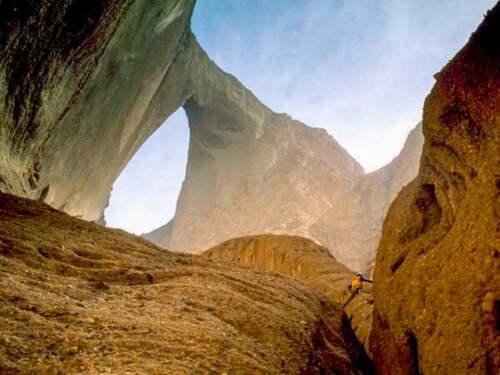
point(437, 274)
point(303, 260)
point(79, 298)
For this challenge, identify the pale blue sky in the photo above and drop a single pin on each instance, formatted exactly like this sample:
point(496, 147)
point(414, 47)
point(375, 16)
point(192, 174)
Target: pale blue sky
point(359, 68)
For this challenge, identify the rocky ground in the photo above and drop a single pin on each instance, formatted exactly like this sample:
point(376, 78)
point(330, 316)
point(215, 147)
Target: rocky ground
point(79, 298)
point(306, 261)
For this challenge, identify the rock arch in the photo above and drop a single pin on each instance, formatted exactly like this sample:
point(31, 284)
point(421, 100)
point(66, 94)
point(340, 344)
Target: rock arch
point(243, 157)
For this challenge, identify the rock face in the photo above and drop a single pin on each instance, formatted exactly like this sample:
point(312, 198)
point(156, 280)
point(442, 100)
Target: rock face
point(116, 112)
point(79, 298)
point(437, 274)
point(80, 74)
point(278, 181)
point(303, 260)
point(361, 221)
point(290, 178)
point(376, 191)
point(48, 52)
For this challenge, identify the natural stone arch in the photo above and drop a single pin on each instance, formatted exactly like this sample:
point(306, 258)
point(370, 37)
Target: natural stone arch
point(245, 161)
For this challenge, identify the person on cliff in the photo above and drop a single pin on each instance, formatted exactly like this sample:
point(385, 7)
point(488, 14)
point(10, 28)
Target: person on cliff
point(355, 286)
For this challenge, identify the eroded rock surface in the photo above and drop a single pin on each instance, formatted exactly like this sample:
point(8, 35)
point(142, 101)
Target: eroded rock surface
point(437, 274)
point(361, 221)
point(48, 52)
point(79, 298)
point(116, 110)
point(80, 74)
point(306, 261)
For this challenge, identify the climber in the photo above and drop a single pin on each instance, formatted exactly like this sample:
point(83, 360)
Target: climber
point(355, 286)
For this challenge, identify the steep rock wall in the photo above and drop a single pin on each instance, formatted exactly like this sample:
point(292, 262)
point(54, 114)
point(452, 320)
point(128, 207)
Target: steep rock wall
point(437, 274)
point(116, 111)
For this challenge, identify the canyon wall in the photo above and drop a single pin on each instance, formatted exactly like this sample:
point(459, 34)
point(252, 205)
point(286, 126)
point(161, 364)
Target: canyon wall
point(116, 111)
point(437, 273)
point(49, 50)
point(77, 79)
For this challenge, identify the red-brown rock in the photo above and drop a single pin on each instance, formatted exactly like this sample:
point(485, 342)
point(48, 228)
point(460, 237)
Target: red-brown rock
point(437, 275)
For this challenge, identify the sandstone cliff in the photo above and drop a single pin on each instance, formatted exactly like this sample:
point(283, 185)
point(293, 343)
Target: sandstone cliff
point(437, 274)
point(79, 298)
point(303, 260)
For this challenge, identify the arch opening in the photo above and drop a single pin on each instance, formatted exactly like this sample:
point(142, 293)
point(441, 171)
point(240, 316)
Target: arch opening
point(145, 194)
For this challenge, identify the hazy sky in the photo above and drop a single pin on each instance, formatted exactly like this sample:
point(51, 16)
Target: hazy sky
point(359, 68)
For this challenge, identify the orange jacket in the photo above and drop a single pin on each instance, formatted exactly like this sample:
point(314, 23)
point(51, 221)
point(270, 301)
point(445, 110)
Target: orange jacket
point(357, 282)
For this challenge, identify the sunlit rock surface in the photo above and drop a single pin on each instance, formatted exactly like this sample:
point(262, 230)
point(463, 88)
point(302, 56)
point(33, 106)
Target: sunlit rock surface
point(77, 298)
point(437, 274)
point(306, 261)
